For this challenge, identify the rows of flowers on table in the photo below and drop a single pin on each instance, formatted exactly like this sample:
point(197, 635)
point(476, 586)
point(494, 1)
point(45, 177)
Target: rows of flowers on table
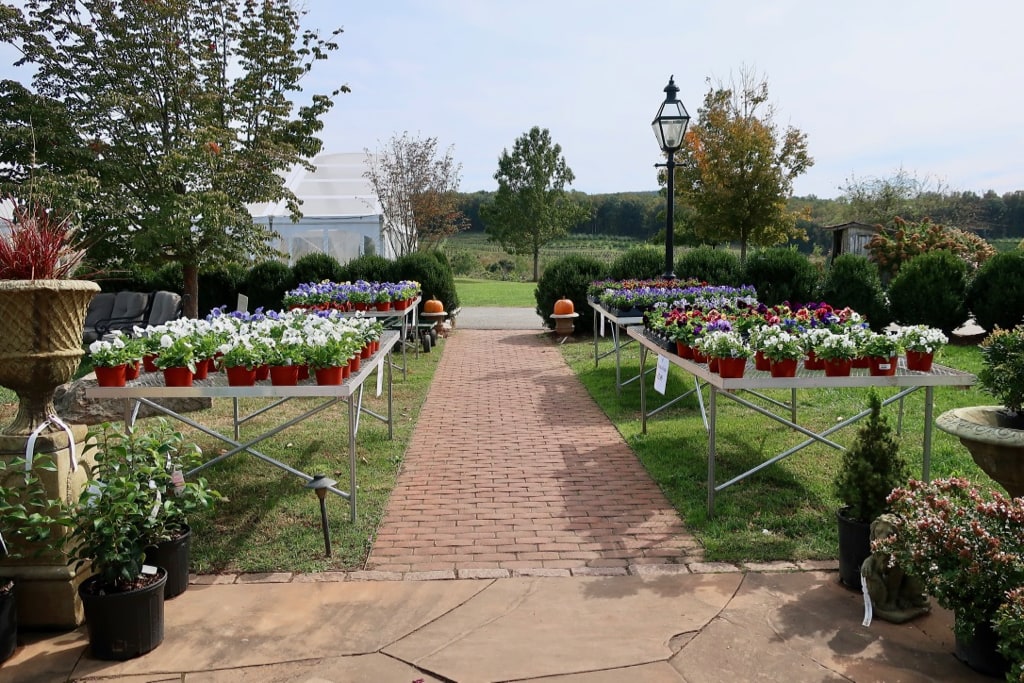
point(780, 337)
point(353, 296)
point(632, 298)
point(249, 347)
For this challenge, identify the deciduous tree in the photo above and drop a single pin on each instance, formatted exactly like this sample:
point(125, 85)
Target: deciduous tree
point(737, 167)
point(185, 106)
point(418, 192)
point(531, 206)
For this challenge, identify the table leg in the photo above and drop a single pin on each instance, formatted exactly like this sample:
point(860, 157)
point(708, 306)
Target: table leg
point(643, 390)
point(618, 361)
point(597, 321)
point(352, 412)
point(712, 428)
point(391, 419)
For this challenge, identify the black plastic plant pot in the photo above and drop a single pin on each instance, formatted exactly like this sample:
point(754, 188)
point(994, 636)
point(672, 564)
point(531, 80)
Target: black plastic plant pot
point(124, 625)
point(8, 621)
point(854, 548)
point(172, 556)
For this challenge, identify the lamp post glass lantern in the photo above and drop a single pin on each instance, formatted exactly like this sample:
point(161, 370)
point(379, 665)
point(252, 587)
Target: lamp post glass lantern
point(670, 128)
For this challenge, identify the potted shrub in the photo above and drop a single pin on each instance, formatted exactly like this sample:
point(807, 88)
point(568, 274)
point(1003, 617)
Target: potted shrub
point(967, 548)
point(994, 435)
point(113, 522)
point(44, 310)
point(162, 456)
point(868, 473)
point(27, 518)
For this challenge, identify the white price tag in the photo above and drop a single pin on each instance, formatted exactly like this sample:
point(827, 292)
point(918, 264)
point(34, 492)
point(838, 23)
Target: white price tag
point(661, 375)
point(178, 479)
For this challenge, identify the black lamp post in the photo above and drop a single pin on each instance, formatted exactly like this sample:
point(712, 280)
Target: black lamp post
point(670, 127)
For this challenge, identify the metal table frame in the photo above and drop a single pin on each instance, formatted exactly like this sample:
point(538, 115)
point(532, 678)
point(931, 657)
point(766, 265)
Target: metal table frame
point(907, 381)
point(601, 314)
point(405, 325)
point(143, 392)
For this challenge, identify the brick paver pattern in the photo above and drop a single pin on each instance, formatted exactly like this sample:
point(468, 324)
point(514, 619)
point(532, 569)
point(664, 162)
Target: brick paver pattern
point(513, 466)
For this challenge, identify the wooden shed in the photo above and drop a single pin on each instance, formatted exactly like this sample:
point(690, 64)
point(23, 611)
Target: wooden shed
point(851, 238)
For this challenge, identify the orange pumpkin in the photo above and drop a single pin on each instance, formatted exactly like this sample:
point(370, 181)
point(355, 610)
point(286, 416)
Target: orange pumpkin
point(564, 307)
point(433, 305)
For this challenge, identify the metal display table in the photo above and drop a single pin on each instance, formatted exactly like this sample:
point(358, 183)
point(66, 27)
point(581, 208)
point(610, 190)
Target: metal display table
point(906, 380)
point(602, 314)
point(146, 390)
point(407, 320)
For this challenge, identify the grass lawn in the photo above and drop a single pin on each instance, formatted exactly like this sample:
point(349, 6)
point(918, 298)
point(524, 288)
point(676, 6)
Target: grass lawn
point(786, 511)
point(495, 293)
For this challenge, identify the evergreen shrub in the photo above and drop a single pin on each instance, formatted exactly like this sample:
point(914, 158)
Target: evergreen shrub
point(710, 265)
point(930, 289)
point(266, 284)
point(316, 266)
point(220, 287)
point(852, 280)
point(569, 276)
point(996, 295)
point(369, 267)
point(780, 275)
point(433, 273)
point(638, 263)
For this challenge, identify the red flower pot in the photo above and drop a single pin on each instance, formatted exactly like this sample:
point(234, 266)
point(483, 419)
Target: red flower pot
point(147, 363)
point(178, 377)
point(784, 368)
point(762, 362)
point(262, 372)
point(303, 372)
point(366, 351)
point(383, 305)
point(346, 371)
point(838, 367)
point(812, 362)
point(202, 368)
point(362, 307)
point(402, 305)
point(731, 368)
point(241, 376)
point(113, 376)
point(684, 350)
point(329, 375)
point(699, 357)
point(919, 361)
point(131, 371)
point(284, 375)
point(861, 363)
point(713, 364)
point(354, 363)
point(882, 367)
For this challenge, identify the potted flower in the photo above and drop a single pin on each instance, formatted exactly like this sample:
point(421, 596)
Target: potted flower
point(39, 254)
point(868, 473)
point(994, 435)
point(882, 350)
point(177, 358)
point(110, 359)
point(921, 343)
point(240, 356)
point(730, 350)
point(782, 348)
point(113, 522)
point(838, 352)
point(967, 548)
point(810, 339)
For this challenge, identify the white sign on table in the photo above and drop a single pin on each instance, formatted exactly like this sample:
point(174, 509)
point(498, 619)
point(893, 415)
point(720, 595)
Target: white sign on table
point(661, 375)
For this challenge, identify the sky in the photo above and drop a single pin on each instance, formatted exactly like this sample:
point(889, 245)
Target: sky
point(929, 87)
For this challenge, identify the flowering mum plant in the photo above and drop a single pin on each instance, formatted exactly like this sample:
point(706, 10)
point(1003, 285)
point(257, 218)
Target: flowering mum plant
point(116, 350)
point(922, 339)
point(834, 346)
point(966, 546)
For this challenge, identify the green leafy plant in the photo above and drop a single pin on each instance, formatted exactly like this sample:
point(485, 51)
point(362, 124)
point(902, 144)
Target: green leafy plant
point(853, 281)
point(871, 468)
point(27, 514)
point(1009, 625)
point(714, 266)
point(1003, 372)
point(930, 290)
point(780, 275)
point(996, 294)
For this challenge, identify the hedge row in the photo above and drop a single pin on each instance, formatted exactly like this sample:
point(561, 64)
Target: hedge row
point(934, 289)
point(265, 283)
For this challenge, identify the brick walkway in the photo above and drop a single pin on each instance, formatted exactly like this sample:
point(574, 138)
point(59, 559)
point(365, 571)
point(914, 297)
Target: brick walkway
point(512, 466)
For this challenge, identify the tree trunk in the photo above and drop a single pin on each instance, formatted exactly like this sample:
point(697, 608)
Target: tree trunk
point(536, 264)
point(190, 300)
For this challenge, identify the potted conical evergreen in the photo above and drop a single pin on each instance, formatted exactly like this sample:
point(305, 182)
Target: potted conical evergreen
point(868, 473)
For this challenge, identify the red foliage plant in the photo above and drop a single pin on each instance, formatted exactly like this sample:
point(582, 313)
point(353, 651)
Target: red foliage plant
point(37, 245)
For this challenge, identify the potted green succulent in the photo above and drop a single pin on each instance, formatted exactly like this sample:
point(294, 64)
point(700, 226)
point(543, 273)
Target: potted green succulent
point(27, 519)
point(114, 520)
point(868, 473)
point(994, 435)
point(966, 546)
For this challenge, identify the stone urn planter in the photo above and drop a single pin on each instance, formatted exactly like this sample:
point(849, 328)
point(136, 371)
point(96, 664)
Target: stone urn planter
point(996, 448)
point(42, 343)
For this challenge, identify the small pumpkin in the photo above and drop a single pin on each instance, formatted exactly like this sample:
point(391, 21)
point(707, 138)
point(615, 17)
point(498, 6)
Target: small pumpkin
point(433, 305)
point(564, 307)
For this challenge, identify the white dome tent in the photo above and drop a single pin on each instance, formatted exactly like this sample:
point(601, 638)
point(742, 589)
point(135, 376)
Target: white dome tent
point(340, 212)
